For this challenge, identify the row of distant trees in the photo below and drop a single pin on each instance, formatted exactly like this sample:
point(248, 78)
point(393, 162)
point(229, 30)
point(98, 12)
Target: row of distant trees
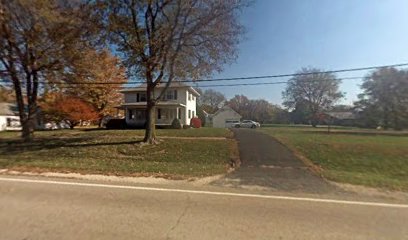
point(255, 109)
point(382, 103)
point(384, 100)
point(312, 94)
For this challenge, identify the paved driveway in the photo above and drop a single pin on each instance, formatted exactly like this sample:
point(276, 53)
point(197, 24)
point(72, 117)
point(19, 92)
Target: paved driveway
point(267, 163)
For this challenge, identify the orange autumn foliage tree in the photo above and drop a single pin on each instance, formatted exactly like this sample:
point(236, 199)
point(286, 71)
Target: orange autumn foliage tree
point(69, 109)
point(100, 76)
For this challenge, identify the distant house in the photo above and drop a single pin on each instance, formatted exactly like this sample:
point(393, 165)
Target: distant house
point(10, 119)
point(221, 118)
point(179, 101)
point(207, 119)
point(345, 118)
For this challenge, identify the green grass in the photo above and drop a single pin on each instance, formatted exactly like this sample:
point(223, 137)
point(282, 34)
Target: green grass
point(271, 125)
point(364, 157)
point(119, 152)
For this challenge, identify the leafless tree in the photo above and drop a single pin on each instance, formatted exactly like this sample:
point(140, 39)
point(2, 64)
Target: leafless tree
point(210, 100)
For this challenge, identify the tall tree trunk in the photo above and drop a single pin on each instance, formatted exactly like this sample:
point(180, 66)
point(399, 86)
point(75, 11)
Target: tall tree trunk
point(386, 119)
point(32, 91)
point(315, 118)
point(314, 122)
point(26, 133)
point(27, 130)
point(150, 133)
point(396, 121)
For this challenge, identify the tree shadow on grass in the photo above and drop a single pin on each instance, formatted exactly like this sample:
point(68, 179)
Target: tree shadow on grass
point(49, 143)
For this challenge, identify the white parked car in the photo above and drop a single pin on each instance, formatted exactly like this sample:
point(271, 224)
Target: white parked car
point(249, 124)
point(232, 123)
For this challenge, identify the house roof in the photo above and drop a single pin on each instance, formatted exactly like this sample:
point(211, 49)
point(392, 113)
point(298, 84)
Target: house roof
point(142, 87)
point(224, 108)
point(342, 115)
point(206, 113)
point(8, 109)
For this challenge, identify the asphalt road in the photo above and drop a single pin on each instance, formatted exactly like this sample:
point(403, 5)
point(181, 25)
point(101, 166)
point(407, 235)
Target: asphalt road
point(64, 210)
point(267, 163)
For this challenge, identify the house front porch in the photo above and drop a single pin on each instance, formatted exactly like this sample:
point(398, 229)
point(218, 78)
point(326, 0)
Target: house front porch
point(165, 114)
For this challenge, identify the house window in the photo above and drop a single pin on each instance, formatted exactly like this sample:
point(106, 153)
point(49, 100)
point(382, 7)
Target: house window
point(189, 113)
point(140, 114)
point(159, 113)
point(163, 113)
point(9, 120)
point(189, 96)
point(12, 122)
point(141, 97)
point(131, 114)
point(193, 114)
point(171, 95)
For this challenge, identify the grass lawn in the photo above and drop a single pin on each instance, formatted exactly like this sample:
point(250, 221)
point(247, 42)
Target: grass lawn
point(364, 157)
point(94, 132)
point(118, 152)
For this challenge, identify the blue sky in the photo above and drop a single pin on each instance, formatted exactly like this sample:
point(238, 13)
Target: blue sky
point(284, 36)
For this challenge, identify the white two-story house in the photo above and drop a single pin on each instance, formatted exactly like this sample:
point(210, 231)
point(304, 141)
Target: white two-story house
point(179, 101)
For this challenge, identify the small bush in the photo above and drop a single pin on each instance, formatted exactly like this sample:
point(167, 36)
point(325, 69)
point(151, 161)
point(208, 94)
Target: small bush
point(186, 126)
point(116, 123)
point(195, 122)
point(176, 124)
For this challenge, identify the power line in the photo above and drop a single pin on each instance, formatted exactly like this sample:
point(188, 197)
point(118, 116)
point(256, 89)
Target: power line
point(304, 74)
point(230, 84)
point(243, 78)
point(264, 83)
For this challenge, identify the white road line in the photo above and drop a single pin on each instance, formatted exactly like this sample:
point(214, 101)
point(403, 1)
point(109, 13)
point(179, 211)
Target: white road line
point(275, 197)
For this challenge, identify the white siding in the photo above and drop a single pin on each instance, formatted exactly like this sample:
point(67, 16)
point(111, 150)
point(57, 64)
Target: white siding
point(3, 123)
point(130, 97)
point(182, 98)
point(190, 105)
